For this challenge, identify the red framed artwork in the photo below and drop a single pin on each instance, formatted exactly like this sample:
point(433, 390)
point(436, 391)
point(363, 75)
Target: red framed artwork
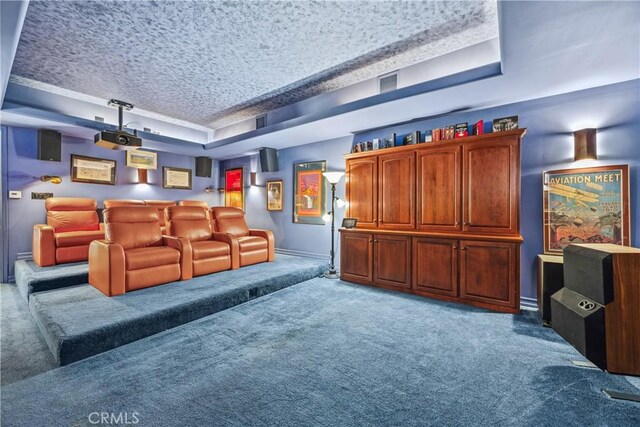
point(309, 192)
point(234, 188)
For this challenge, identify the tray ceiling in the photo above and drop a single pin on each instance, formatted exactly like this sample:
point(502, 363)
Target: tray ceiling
point(215, 63)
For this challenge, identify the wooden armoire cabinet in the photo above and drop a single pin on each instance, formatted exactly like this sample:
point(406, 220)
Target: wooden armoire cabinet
point(438, 219)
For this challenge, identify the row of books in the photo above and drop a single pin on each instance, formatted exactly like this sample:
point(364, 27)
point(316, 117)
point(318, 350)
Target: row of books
point(459, 130)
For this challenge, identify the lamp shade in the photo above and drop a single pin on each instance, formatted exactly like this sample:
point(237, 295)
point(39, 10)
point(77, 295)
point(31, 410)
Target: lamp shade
point(585, 145)
point(333, 177)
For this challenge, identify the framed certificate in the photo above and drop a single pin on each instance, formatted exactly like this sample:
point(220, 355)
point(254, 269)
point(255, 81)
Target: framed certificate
point(176, 178)
point(93, 170)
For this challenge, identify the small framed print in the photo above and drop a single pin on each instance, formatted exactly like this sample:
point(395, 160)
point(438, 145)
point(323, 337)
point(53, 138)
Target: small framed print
point(389, 141)
point(141, 159)
point(176, 178)
point(505, 123)
point(92, 170)
point(275, 195)
point(349, 222)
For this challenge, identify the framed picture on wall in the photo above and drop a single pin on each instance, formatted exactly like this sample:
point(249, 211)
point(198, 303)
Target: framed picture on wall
point(176, 178)
point(234, 188)
point(141, 159)
point(93, 170)
point(275, 195)
point(309, 194)
point(587, 205)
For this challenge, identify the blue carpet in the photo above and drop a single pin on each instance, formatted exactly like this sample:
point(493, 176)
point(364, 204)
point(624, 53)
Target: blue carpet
point(79, 321)
point(31, 278)
point(327, 353)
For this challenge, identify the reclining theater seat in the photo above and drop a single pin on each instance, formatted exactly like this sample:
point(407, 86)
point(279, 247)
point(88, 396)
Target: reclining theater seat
point(200, 203)
point(114, 203)
point(254, 245)
point(134, 254)
point(211, 252)
point(160, 205)
point(72, 224)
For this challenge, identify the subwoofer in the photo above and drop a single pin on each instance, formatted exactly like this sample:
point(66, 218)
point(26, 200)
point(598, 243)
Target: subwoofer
point(550, 281)
point(49, 145)
point(203, 166)
point(580, 321)
point(601, 278)
point(269, 160)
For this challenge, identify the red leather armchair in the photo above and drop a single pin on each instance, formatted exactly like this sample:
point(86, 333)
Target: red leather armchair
point(72, 224)
point(134, 254)
point(211, 252)
point(160, 205)
point(254, 246)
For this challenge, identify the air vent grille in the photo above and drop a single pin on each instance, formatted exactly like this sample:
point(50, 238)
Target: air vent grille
point(388, 83)
point(261, 121)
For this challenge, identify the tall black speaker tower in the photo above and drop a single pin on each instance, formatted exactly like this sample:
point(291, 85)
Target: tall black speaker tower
point(268, 160)
point(49, 145)
point(203, 166)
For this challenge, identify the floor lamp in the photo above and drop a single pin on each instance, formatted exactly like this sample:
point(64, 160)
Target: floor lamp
point(333, 178)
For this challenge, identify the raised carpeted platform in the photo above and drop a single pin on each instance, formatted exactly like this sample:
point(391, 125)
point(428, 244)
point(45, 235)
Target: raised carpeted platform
point(327, 353)
point(31, 278)
point(79, 321)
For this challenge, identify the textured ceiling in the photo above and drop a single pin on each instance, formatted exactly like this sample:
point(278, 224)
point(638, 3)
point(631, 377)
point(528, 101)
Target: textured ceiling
point(214, 63)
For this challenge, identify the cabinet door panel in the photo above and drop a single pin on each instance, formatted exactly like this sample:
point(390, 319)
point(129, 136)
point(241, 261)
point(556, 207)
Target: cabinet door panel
point(438, 184)
point(488, 272)
point(491, 187)
point(356, 256)
point(362, 191)
point(392, 262)
point(396, 191)
point(435, 266)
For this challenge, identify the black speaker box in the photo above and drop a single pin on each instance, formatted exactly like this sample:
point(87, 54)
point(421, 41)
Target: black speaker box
point(580, 321)
point(269, 160)
point(589, 272)
point(550, 281)
point(203, 166)
point(49, 145)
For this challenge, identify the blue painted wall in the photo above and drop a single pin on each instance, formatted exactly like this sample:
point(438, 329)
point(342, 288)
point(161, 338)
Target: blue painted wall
point(24, 170)
point(548, 145)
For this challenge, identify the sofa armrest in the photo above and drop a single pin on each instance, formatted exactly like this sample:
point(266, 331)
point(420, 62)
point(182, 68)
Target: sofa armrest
point(233, 245)
point(44, 245)
point(271, 242)
point(107, 267)
point(186, 254)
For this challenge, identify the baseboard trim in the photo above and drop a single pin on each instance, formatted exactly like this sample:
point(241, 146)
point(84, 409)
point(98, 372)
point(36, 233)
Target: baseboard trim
point(528, 304)
point(301, 253)
point(11, 279)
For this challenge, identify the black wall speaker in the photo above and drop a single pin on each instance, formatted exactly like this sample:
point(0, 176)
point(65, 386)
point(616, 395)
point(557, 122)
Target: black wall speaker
point(49, 145)
point(550, 281)
point(268, 160)
point(203, 166)
point(590, 273)
point(580, 321)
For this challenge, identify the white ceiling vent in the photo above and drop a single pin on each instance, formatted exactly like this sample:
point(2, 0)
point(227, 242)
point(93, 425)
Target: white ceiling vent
point(261, 121)
point(388, 82)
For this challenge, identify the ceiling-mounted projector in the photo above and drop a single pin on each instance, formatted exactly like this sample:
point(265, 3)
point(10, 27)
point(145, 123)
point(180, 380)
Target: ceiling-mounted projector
point(118, 139)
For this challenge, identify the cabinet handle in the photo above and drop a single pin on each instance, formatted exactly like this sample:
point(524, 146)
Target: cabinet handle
point(375, 241)
point(454, 248)
point(467, 223)
point(457, 223)
point(464, 248)
point(370, 241)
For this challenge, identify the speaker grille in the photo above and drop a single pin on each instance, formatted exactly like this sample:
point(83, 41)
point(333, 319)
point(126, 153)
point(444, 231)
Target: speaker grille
point(388, 83)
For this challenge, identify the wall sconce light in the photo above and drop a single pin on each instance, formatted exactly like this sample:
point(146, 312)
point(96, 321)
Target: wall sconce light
point(584, 141)
point(208, 189)
point(254, 179)
point(51, 178)
point(142, 176)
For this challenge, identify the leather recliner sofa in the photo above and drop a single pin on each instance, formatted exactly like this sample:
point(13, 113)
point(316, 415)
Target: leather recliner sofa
point(135, 254)
point(72, 224)
point(254, 245)
point(211, 252)
point(160, 205)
